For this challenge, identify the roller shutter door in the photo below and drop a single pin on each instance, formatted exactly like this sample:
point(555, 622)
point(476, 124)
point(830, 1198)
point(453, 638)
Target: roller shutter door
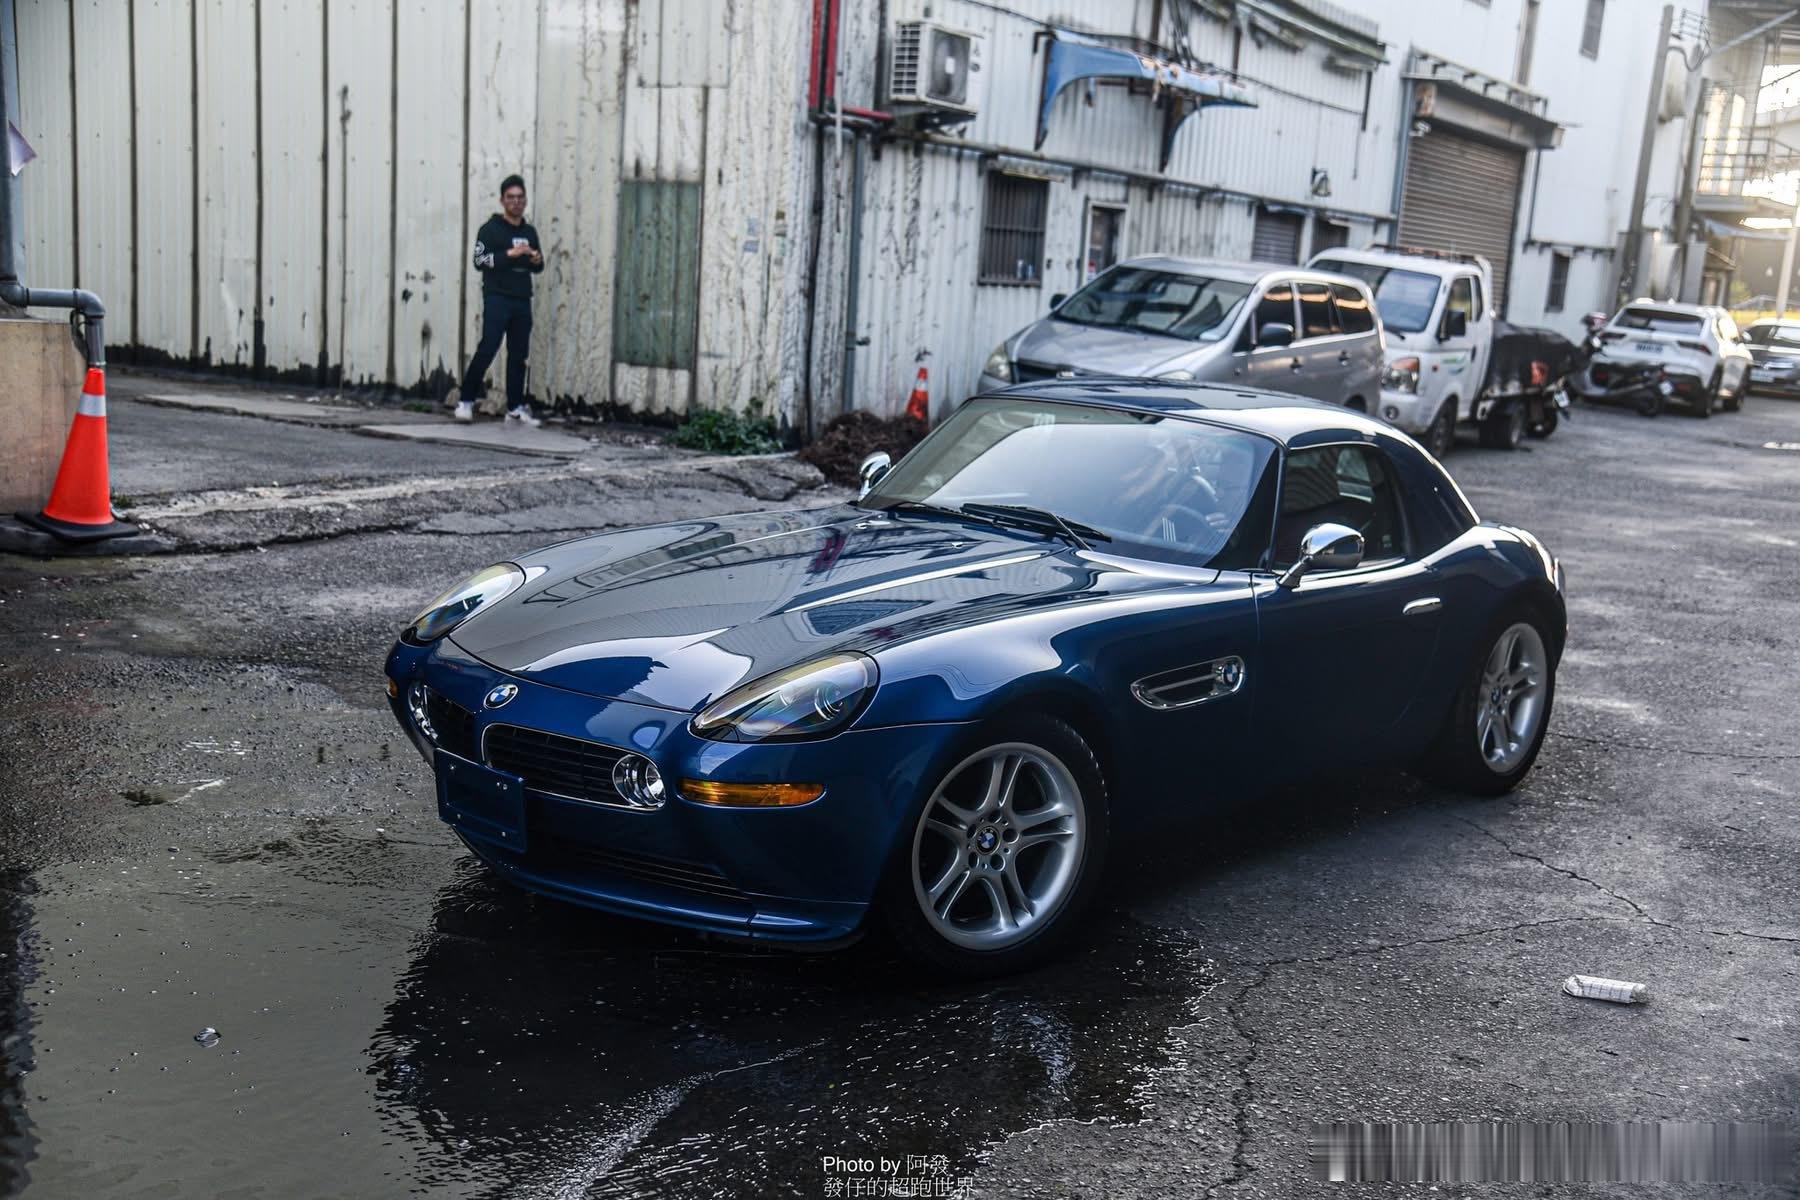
point(1462, 195)
point(1276, 238)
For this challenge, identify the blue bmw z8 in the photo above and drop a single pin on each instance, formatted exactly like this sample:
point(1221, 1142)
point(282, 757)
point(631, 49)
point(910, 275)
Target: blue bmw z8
point(1076, 608)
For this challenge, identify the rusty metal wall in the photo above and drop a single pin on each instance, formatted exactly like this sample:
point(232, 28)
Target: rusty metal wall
point(310, 175)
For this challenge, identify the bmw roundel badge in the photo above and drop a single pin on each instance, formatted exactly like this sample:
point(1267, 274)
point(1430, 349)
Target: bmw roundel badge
point(500, 695)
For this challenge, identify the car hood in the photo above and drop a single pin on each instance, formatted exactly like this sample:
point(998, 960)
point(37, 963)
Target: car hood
point(676, 615)
point(1089, 350)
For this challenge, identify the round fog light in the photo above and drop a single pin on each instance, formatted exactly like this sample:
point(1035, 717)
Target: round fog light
point(638, 782)
point(1390, 412)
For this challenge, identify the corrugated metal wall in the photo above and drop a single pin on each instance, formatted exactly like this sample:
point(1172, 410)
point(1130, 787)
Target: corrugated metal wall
point(292, 186)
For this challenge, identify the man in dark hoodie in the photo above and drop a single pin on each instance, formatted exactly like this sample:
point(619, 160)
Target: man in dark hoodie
point(507, 254)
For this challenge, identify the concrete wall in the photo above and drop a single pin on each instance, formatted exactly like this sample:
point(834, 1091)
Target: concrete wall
point(43, 373)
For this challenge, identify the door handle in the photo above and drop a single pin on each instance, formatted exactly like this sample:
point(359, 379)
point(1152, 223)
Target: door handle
point(1294, 366)
point(1343, 358)
point(1421, 606)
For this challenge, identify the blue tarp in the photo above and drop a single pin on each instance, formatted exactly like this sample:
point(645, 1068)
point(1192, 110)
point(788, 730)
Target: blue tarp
point(1182, 91)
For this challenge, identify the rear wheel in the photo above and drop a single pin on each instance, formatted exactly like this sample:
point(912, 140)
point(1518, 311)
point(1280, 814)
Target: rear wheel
point(1709, 399)
point(1001, 860)
point(1497, 724)
point(1505, 429)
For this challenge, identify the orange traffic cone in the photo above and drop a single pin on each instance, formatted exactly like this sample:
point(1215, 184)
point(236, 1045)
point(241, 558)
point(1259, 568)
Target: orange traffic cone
point(918, 405)
point(80, 506)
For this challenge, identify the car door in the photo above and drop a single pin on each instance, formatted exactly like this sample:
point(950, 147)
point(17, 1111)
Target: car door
point(1481, 330)
point(1343, 654)
point(1464, 357)
point(1361, 325)
point(1277, 368)
point(1323, 353)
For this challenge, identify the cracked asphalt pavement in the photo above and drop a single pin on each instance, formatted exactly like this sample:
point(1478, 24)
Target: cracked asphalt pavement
point(209, 821)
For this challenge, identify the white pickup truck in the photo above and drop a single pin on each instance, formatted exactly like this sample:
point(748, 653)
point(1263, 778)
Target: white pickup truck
point(1437, 310)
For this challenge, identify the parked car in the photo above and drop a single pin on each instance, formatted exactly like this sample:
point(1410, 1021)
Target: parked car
point(1697, 346)
point(935, 706)
point(1438, 312)
point(1775, 355)
point(1289, 329)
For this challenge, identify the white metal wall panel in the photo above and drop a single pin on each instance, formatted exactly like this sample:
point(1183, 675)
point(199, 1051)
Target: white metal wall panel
point(744, 217)
point(293, 185)
point(502, 136)
point(581, 65)
point(428, 193)
point(359, 230)
point(229, 181)
point(162, 48)
point(103, 149)
point(685, 43)
point(47, 183)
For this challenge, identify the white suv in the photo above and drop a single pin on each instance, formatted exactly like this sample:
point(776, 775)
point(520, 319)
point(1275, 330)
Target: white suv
point(1696, 345)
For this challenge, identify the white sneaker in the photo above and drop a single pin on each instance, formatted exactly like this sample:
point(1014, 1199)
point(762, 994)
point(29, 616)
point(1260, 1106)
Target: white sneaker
point(522, 415)
point(465, 411)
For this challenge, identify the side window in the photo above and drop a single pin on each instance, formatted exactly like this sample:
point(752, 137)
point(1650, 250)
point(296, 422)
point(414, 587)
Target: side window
point(1316, 319)
point(1477, 302)
point(1354, 313)
point(1343, 485)
point(1276, 307)
point(1462, 297)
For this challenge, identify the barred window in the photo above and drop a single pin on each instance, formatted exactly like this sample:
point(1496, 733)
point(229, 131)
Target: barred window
point(1559, 282)
point(1590, 30)
point(1012, 230)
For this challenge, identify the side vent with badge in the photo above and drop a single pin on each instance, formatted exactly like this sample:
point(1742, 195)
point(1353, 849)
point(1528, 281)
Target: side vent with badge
point(1186, 686)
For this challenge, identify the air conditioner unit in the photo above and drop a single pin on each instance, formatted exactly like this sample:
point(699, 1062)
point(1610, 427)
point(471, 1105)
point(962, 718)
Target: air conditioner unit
point(934, 67)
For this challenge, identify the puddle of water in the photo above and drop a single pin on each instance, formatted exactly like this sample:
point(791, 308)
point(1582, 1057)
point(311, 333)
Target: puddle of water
point(393, 1019)
point(532, 1047)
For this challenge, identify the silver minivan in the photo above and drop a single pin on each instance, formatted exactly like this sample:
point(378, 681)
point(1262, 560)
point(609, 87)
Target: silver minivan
point(1288, 329)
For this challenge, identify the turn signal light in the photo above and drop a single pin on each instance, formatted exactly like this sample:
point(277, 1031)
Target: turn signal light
point(750, 795)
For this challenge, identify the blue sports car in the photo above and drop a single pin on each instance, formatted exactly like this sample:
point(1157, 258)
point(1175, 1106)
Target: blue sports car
point(1075, 609)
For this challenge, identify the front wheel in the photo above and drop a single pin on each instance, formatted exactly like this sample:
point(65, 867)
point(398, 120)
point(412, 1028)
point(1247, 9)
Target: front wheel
point(1440, 439)
point(1003, 857)
point(1497, 724)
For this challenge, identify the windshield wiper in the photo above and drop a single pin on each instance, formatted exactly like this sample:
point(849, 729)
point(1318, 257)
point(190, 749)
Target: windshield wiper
point(1038, 518)
point(936, 510)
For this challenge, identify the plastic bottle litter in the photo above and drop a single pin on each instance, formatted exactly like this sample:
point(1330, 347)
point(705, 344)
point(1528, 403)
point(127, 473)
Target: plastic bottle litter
point(1618, 991)
point(208, 1037)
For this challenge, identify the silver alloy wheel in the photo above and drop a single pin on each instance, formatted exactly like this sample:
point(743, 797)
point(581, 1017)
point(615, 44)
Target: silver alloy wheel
point(1510, 706)
point(998, 849)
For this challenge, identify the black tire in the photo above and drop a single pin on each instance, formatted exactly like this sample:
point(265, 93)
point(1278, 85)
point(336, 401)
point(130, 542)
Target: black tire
point(1505, 429)
point(1650, 402)
point(1544, 426)
point(901, 907)
point(1454, 760)
point(1709, 400)
point(1440, 439)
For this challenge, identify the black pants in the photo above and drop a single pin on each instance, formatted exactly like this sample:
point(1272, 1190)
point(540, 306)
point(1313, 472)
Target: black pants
point(508, 317)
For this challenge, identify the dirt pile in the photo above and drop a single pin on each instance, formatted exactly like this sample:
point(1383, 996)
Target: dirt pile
point(849, 439)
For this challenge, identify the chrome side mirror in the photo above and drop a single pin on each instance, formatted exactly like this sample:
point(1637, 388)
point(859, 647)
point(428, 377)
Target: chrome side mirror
point(1326, 547)
point(872, 469)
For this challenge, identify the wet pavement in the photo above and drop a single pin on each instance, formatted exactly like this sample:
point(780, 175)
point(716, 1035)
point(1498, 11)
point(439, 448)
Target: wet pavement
point(209, 821)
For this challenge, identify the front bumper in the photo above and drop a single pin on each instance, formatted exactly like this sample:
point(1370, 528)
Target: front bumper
point(1408, 410)
point(803, 874)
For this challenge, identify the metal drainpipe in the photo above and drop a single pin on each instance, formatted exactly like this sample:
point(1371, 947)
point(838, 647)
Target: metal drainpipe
point(11, 290)
point(853, 275)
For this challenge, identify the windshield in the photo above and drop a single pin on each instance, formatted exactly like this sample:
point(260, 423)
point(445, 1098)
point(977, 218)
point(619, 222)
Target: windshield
point(1781, 337)
point(1405, 299)
point(1189, 307)
point(1159, 487)
point(1658, 320)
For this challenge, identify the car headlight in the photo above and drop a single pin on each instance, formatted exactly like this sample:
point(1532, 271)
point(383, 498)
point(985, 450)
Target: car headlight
point(998, 364)
point(1179, 376)
point(809, 700)
point(460, 602)
point(1401, 375)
